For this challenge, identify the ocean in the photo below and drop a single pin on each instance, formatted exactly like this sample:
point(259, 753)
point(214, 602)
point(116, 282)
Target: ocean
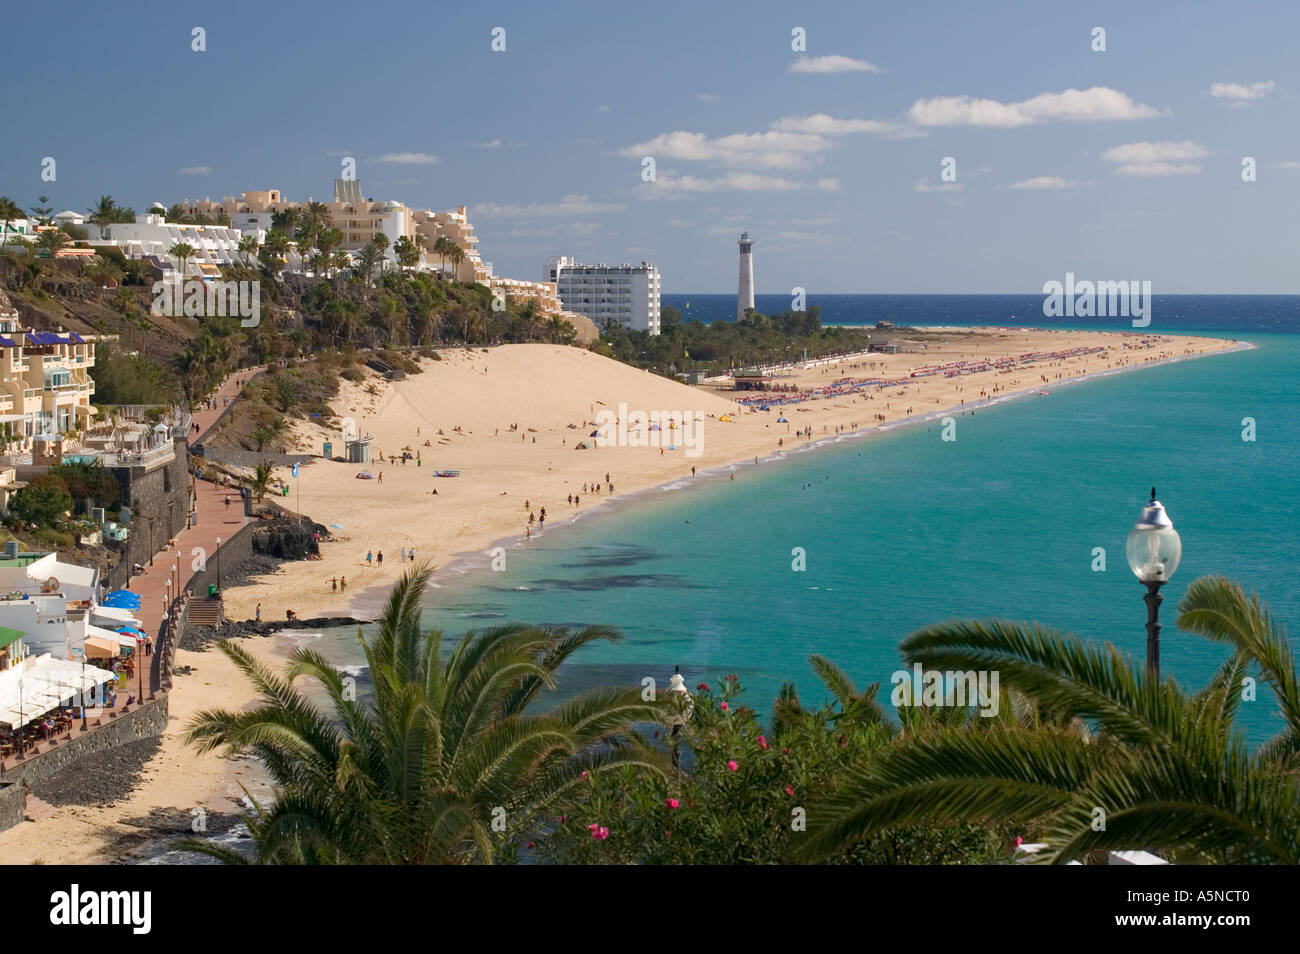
point(901, 529)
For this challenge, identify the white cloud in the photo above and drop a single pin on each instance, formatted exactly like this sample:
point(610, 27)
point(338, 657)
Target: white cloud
point(195, 171)
point(765, 150)
point(1242, 91)
point(490, 144)
point(1043, 182)
point(569, 205)
point(408, 158)
point(707, 97)
point(1156, 158)
point(823, 125)
point(924, 185)
point(833, 64)
point(669, 186)
point(1096, 103)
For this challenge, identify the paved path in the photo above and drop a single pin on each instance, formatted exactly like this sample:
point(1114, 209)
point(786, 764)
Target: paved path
point(214, 519)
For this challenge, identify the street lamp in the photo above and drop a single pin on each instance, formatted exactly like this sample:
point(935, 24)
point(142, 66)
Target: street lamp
point(218, 564)
point(1153, 551)
point(681, 706)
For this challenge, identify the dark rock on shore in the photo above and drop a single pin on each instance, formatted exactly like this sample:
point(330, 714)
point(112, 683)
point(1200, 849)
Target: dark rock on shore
point(288, 538)
point(198, 637)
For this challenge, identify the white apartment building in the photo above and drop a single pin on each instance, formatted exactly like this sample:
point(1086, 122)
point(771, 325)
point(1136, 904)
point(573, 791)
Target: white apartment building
point(151, 235)
point(627, 294)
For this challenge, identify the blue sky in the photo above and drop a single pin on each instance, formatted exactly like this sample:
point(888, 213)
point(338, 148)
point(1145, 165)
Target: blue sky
point(831, 158)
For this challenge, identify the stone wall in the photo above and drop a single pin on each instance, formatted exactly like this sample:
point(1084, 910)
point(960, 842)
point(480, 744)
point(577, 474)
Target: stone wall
point(13, 804)
point(233, 552)
point(145, 722)
point(148, 492)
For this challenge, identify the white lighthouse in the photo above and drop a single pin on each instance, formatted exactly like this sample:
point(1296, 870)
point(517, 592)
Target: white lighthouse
point(745, 292)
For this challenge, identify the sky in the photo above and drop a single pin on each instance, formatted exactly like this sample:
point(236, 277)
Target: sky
point(909, 147)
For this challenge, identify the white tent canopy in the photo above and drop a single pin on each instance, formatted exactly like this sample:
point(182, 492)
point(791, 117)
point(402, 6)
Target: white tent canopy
point(122, 639)
point(46, 685)
point(115, 614)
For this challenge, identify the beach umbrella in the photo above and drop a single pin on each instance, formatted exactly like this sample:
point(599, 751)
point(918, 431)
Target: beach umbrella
point(782, 420)
point(336, 526)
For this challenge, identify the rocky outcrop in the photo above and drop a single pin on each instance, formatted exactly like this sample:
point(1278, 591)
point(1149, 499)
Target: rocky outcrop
point(288, 538)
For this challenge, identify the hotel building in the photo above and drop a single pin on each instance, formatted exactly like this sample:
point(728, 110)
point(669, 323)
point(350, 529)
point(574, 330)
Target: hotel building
point(45, 383)
point(625, 294)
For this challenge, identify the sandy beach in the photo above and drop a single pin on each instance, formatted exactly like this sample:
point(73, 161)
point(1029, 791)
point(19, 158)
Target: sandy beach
point(458, 414)
point(509, 420)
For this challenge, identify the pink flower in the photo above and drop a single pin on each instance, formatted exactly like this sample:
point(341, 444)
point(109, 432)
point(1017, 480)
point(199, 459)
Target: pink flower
point(762, 742)
point(671, 802)
point(563, 819)
point(725, 707)
point(593, 827)
point(789, 791)
point(532, 845)
point(703, 687)
point(600, 834)
point(732, 765)
point(1019, 841)
point(584, 775)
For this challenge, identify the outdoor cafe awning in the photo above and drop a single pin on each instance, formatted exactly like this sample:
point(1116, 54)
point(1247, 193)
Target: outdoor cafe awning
point(116, 613)
point(102, 636)
point(48, 685)
point(103, 647)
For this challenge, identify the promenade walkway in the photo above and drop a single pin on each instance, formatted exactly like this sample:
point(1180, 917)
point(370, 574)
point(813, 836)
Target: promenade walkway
point(214, 520)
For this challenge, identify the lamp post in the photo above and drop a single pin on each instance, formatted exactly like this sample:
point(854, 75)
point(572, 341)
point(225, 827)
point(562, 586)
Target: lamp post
point(681, 707)
point(150, 519)
point(1154, 551)
point(83, 688)
point(218, 564)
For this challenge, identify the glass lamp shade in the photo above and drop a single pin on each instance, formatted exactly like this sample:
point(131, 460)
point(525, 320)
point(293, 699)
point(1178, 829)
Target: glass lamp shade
point(1153, 553)
point(684, 705)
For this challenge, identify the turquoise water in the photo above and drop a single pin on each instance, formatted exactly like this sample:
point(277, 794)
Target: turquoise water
point(902, 529)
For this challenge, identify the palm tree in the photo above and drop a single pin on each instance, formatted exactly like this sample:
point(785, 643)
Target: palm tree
point(1168, 769)
point(273, 252)
point(9, 210)
point(263, 474)
point(419, 773)
point(368, 258)
point(440, 246)
point(249, 246)
point(104, 212)
point(104, 271)
point(184, 252)
point(307, 234)
point(51, 240)
point(407, 252)
point(457, 255)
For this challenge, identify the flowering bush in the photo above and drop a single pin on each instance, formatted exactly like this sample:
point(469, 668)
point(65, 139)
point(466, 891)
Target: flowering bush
point(743, 796)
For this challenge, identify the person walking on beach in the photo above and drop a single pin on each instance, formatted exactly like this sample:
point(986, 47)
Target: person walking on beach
point(334, 584)
point(381, 476)
point(370, 557)
point(227, 501)
point(412, 554)
point(343, 584)
point(379, 558)
point(257, 615)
